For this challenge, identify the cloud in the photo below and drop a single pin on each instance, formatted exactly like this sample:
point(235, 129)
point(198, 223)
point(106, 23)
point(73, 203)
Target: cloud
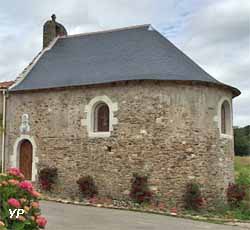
point(217, 36)
point(213, 33)
point(21, 23)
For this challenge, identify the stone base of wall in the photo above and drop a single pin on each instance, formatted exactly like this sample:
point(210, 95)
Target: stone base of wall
point(113, 172)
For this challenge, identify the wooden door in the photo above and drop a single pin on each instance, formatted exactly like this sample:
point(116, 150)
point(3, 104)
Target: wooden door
point(26, 159)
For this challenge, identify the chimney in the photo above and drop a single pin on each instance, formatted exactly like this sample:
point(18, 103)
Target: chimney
point(51, 30)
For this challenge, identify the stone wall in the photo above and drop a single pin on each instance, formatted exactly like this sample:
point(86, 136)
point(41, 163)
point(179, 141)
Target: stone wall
point(165, 130)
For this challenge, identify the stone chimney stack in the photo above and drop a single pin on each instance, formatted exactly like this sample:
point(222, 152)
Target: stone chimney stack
point(51, 30)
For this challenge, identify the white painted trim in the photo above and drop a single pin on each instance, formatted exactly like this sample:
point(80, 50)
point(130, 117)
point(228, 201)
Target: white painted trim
point(89, 110)
point(14, 159)
point(3, 130)
point(99, 134)
point(223, 135)
point(227, 136)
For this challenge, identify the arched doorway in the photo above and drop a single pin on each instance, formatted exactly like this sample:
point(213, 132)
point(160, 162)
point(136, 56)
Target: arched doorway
point(25, 159)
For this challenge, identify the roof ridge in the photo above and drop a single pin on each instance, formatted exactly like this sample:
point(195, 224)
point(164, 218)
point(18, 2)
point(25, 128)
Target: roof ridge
point(106, 31)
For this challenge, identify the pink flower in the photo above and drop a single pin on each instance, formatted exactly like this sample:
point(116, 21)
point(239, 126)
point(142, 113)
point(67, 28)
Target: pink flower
point(41, 221)
point(14, 172)
point(13, 182)
point(26, 185)
point(4, 183)
point(22, 176)
point(35, 205)
point(14, 203)
point(35, 194)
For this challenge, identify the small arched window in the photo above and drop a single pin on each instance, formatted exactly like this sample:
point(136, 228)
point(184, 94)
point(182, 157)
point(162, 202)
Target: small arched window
point(225, 118)
point(101, 118)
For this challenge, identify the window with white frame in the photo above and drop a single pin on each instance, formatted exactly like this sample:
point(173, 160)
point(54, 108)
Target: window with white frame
point(100, 117)
point(225, 118)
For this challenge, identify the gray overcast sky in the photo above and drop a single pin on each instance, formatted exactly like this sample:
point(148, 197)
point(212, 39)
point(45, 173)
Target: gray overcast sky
point(214, 33)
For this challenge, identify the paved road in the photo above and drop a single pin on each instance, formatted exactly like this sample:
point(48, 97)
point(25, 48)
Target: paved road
point(71, 217)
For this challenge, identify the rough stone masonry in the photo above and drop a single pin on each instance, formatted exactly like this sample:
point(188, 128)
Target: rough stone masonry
point(166, 130)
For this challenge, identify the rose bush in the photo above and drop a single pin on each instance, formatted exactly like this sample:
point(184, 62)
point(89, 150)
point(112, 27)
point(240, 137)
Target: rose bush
point(17, 193)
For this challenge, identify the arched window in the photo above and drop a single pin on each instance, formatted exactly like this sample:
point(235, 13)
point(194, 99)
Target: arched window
point(101, 118)
point(225, 118)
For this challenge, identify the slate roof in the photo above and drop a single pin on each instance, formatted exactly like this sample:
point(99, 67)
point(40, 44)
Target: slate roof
point(135, 53)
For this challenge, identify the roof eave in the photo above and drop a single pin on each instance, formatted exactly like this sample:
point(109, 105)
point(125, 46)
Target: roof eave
point(235, 92)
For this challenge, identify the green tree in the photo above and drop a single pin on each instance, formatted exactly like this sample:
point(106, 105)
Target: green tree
point(242, 141)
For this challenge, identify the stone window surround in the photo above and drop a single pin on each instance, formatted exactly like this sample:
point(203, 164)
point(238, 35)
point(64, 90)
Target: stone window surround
point(14, 159)
point(90, 109)
point(228, 135)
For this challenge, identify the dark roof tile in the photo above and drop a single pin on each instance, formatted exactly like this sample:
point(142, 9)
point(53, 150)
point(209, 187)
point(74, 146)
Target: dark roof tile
point(137, 53)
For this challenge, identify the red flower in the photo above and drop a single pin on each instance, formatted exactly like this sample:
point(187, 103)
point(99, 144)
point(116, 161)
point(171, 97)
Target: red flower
point(26, 185)
point(14, 203)
point(45, 184)
point(41, 221)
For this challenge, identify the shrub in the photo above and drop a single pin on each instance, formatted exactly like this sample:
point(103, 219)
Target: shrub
point(47, 178)
point(243, 177)
point(242, 212)
point(87, 186)
point(140, 192)
point(18, 193)
point(235, 194)
point(193, 197)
